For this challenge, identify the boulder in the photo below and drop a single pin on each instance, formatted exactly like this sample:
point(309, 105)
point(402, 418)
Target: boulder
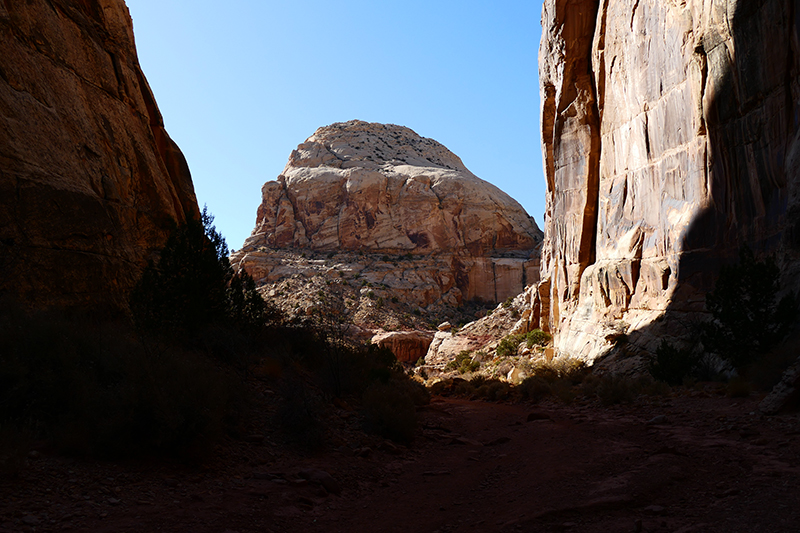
point(407, 346)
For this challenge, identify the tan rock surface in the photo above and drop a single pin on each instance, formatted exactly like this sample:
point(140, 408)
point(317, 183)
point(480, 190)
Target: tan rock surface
point(89, 178)
point(670, 140)
point(444, 235)
point(407, 346)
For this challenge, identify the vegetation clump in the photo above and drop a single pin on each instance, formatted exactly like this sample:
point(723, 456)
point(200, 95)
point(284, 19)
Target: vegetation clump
point(672, 365)
point(748, 320)
point(464, 363)
point(509, 345)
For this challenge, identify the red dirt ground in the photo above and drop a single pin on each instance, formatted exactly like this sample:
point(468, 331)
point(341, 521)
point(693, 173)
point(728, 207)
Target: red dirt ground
point(693, 461)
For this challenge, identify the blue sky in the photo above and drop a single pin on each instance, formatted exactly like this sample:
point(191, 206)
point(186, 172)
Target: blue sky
point(241, 86)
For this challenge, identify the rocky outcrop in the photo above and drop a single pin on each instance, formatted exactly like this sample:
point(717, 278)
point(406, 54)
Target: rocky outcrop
point(671, 138)
point(430, 230)
point(510, 318)
point(407, 346)
point(89, 179)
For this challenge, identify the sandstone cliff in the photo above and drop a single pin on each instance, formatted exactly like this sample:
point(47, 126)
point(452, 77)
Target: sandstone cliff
point(671, 138)
point(89, 179)
point(404, 212)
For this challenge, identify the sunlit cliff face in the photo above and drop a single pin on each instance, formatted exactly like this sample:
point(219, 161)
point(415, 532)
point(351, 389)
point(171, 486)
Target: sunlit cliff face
point(382, 189)
point(669, 142)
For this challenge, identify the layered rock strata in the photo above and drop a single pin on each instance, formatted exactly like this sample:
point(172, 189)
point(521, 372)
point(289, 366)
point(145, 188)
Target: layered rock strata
point(424, 227)
point(89, 179)
point(671, 138)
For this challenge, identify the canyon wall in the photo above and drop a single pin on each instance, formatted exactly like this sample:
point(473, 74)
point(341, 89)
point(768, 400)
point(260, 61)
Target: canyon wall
point(90, 182)
point(412, 217)
point(670, 134)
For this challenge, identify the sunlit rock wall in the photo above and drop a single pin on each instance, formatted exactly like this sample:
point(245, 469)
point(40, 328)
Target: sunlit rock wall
point(670, 134)
point(383, 190)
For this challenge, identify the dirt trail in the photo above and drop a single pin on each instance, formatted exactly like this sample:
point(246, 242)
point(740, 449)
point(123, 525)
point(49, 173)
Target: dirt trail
point(695, 462)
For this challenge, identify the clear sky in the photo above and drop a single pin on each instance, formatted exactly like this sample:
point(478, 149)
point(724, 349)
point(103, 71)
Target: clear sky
point(240, 84)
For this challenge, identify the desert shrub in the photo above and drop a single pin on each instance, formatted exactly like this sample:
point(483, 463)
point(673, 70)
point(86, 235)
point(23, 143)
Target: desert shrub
point(464, 388)
point(509, 345)
point(616, 389)
point(439, 388)
point(747, 319)
point(613, 390)
point(493, 390)
point(463, 363)
point(534, 388)
point(537, 337)
point(569, 369)
point(671, 365)
point(563, 390)
point(553, 378)
point(390, 411)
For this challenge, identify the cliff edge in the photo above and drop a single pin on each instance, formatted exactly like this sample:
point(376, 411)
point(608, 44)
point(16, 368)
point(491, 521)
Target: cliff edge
point(90, 182)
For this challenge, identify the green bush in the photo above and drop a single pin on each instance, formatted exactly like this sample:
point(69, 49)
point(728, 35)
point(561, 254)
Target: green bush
point(509, 345)
point(747, 320)
point(301, 414)
point(568, 369)
point(463, 363)
point(616, 389)
point(671, 365)
point(537, 337)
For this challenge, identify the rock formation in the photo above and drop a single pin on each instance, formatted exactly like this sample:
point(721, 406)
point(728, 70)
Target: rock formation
point(89, 179)
point(407, 346)
point(671, 138)
point(412, 218)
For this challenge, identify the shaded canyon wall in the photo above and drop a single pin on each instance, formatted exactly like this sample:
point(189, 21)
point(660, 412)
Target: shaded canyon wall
point(670, 135)
point(89, 179)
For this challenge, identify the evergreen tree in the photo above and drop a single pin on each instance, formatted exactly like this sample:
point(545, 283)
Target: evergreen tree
point(748, 321)
point(192, 285)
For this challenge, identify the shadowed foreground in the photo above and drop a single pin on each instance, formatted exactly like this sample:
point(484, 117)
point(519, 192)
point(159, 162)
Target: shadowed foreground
point(693, 461)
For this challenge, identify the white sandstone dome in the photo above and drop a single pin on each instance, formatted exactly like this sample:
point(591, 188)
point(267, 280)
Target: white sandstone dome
point(381, 188)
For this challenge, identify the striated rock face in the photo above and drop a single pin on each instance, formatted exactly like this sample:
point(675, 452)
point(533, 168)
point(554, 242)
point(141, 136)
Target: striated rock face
point(671, 138)
point(89, 179)
point(445, 235)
